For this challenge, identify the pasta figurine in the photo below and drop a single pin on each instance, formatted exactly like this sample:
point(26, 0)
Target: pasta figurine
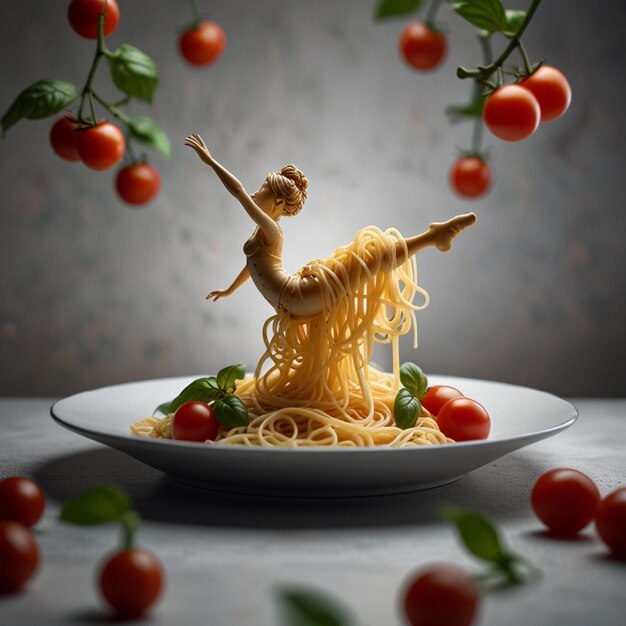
point(314, 385)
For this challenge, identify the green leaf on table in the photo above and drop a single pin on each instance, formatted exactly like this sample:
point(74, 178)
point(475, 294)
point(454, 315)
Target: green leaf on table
point(134, 72)
point(147, 131)
point(514, 20)
point(97, 505)
point(231, 411)
point(406, 409)
point(226, 377)
point(478, 534)
point(201, 390)
point(304, 607)
point(487, 15)
point(394, 8)
point(414, 379)
point(41, 99)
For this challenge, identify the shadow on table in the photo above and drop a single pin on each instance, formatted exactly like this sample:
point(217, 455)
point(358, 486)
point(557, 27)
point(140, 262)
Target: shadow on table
point(500, 490)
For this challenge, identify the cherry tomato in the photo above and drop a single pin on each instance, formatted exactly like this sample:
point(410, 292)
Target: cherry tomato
point(470, 177)
point(441, 595)
point(131, 581)
point(101, 146)
point(19, 555)
point(552, 91)
point(203, 44)
point(138, 183)
point(463, 419)
point(83, 17)
point(512, 113)
point(21, 500)
point(437, 395)
point(195, 421)
point(63, 138)
point(421, 47)
point(611, 522)
point(565, 500)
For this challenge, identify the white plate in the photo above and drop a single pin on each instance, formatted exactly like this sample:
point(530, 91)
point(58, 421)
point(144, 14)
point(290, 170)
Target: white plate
point(519, 417)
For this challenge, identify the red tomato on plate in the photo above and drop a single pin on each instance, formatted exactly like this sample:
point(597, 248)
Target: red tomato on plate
point(195, 421)
point(463, 419)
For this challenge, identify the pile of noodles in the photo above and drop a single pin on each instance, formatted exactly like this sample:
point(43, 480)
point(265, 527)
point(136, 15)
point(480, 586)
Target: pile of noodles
point(314, 385)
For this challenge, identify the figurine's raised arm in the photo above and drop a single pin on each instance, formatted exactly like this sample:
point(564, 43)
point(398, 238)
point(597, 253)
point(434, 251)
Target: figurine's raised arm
point(235, 188)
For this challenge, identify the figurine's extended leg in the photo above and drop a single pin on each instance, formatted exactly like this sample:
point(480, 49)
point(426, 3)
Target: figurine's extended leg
point(439, 235)
point(303, 296)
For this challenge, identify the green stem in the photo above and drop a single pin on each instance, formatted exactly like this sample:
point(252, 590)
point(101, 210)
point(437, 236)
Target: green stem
point(477, 135)
point(431, 14)
point(484, 72)
point(100, 52)
point(129, 150)
point(485, 46)
point(112, 109)
point(527, 66)
point(94, 116)
point(195, 12)
point(130, 522)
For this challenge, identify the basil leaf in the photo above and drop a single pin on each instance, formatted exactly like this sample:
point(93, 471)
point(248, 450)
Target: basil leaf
point(406, 409)
point(230, 411)
point(201, 389)
point(414, 379)
point(164, 408)
point(134, 72)
point(147, 131)
point(97, 505)
point(514, 20)
point(41, 99)
point(478, 534)
point(393, 8)
point(302, 607)
point(226, 377)
point(488, 15)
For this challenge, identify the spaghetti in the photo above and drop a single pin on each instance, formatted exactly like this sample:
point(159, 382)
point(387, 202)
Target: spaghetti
point(314, 385)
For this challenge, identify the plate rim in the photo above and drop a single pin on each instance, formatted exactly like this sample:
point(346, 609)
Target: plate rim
point(315, 450)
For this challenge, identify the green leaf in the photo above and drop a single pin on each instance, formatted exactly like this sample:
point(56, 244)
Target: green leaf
point(226, 377)
point(134, 72)
point(514, 20)
point(201, 390)
point(406, 409)
point(473, 109)
point(414, 379)
point(393, 8)
point(97, 505)
point(147, 131)
point(164, 408)
point(478, 534)
point(488, 15)
point(230, 411)
point(41, 99)
point(303, 607)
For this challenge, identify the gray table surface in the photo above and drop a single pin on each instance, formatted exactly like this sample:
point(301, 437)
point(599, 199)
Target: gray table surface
point(226, 555)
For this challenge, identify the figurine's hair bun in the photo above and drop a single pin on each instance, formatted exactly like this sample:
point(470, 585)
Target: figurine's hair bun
point(290, 184)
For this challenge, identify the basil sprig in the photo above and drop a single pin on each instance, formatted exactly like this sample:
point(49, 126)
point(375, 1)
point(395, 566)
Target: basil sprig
point(481, 537)
point(219, 391)
point(103, 504)
point(407, 405)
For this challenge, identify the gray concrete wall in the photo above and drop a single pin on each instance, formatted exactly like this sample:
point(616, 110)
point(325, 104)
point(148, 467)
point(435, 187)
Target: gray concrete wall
point(94, 293)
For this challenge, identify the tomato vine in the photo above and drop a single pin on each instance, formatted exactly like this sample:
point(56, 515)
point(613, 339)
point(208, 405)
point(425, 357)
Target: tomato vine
point(511, 102)
point(83, 136)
